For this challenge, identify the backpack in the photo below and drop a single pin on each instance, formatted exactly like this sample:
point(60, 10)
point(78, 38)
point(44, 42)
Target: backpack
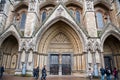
point(102, 71)
point(108, 72)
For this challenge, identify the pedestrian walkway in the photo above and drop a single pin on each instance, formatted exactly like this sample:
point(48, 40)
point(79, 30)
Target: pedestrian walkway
point(11, 77)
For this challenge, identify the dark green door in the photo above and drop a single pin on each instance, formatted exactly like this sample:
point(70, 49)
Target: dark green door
point(66, 64)
point(54, 64)
point(108, 62)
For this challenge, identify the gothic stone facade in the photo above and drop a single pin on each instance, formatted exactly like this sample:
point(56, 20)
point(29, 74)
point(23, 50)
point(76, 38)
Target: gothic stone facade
point(68, 36)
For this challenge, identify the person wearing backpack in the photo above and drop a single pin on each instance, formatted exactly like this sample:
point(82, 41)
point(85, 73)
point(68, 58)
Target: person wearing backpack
point(108, 73)
point(44, 73)
point(102, 71)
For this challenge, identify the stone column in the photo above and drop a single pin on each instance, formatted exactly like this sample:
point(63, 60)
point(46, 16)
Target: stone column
point(21, 61)
point(89, 18)
point(86, 62)
point(23, 58)
point(30, 62)
point(48, 64)
point(18, 60)
point(32, 17)
point(60, 64)
point(95, 63)
point(72, 63)
point(90, 60)
point(98, 58)
point(102, 59)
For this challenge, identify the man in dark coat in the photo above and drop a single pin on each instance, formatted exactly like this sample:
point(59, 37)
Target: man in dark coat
point(1, 71)
point(108, 73)
point(34, 72)
point(102, 71)
point(37, 72)
point(44, 74)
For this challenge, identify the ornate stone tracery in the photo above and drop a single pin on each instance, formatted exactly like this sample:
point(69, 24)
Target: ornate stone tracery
point(32, 5)
point(89, 5)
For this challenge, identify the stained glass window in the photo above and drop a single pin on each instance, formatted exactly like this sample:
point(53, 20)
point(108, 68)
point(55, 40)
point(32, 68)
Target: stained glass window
point(23, 20)
point(77, 16)
point(43, 16)
point(99, 18)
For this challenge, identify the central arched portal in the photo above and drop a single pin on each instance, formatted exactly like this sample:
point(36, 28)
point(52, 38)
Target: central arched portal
point(60, 48)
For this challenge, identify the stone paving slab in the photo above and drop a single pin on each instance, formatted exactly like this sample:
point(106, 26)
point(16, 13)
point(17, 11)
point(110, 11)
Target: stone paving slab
point(11, 77)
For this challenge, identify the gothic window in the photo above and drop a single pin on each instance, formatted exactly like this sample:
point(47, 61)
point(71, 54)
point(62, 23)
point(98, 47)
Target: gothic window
point(23, 20)
point(43, 16)
point(99, 18)
point(78, 16)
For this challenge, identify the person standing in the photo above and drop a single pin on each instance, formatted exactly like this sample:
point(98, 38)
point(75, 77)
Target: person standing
point(1, 71)
point(108, 73)
point(34, 72)
point(115, 74)
point(37, 72)
point(102, 71)
point(44, 74)
point(90, 74)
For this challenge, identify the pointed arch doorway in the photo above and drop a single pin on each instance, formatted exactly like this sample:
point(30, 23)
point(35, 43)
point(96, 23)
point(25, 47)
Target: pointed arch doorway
point(60, 48)
point(60, 51)
point(8, 52)
point(112, 52)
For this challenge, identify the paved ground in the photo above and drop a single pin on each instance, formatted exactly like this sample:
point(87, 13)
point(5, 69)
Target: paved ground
point(11, 77)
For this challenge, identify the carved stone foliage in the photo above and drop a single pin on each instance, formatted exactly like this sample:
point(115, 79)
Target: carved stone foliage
point(27, 44)
point(93, 45)
point(93, 50)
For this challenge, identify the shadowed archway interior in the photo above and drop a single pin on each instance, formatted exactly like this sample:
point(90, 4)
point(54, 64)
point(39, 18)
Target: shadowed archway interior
point(8, 52)
point(112, 52)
